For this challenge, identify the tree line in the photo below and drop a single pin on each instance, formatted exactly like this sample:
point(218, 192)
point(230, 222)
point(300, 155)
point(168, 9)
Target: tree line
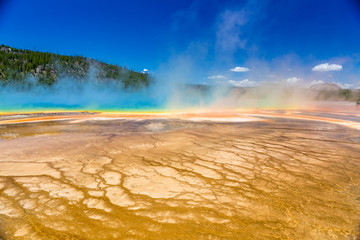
point(16, 65)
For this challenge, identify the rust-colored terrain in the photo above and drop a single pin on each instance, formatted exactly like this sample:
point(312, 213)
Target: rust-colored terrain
point(254, 175)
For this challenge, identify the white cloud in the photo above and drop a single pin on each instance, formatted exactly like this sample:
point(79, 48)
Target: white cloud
point(145, 70)
point(240, 69)
point(243, 83)
point(217, 77)
point(315, 82)
point(325, 67)
point(293, 80)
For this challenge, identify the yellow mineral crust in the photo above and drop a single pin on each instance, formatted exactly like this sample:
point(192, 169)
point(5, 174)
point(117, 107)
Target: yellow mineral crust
point(278, 177)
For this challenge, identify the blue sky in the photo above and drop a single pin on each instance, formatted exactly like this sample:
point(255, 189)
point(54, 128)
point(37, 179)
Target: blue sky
point(200, 40)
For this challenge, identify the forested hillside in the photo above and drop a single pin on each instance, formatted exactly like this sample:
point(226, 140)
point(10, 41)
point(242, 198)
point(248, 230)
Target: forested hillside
point(16, 65)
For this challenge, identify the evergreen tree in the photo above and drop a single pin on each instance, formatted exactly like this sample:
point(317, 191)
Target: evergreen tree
point(17, 64)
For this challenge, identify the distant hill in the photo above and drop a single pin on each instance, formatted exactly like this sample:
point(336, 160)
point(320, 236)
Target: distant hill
point(16, 65)
point(318, 92)
point(325, 87)
point(331, 91)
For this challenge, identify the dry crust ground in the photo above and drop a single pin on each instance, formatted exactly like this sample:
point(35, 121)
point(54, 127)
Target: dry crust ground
point(179, 179)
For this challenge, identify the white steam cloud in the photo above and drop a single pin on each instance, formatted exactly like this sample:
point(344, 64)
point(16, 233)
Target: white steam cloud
point(293, 80)
point(74, 94)
point(315, 82)
point(228, 31)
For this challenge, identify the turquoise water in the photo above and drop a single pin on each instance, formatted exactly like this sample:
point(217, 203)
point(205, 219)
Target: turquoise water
point(43, 107)
point(88, 99)
point(71, 96)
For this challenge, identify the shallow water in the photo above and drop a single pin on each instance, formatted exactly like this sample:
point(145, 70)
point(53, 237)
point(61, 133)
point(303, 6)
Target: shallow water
point(181, 177)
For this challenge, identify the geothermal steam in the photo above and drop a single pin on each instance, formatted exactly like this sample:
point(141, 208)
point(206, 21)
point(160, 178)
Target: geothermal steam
point(168, 92)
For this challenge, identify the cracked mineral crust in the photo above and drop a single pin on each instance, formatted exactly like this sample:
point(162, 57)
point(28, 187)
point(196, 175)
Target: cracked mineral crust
point(281, 178)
